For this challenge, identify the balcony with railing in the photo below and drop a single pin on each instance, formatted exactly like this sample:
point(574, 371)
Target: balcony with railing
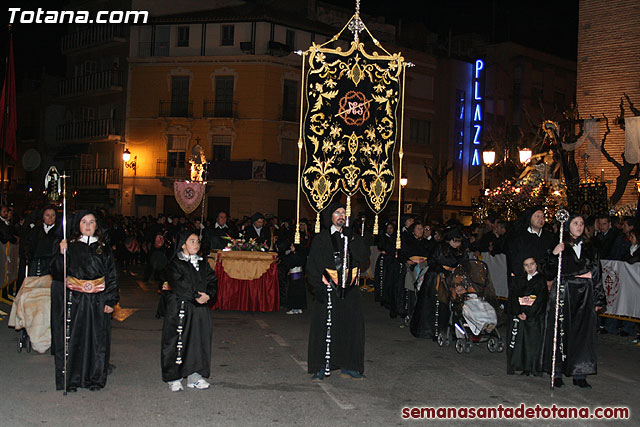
point(93, 36)
point(176, 109)
point(147, 49)
point(90, 129)
point(211, 108)
point(94, 178)
point(168, 170)
point(95, 83)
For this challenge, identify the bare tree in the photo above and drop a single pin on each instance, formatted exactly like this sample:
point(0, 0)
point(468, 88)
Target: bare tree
point(438, 176)
point(625, 170)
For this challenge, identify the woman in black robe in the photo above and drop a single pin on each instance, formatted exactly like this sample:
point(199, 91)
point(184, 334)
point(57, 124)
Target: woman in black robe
point(431, 315)
point(526, 306)
point(383, 279)
point(186, 331)
point(413, 255)
point(92, 293)
point(582, 297)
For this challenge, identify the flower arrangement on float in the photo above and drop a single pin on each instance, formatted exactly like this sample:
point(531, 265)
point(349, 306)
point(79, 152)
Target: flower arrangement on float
point(241, 244)
point(511, 198)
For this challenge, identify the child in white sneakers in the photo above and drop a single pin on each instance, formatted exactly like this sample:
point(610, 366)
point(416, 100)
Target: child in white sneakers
point(186, 332)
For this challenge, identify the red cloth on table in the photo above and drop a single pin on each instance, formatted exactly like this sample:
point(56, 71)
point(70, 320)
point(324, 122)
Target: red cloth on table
point(262, 294)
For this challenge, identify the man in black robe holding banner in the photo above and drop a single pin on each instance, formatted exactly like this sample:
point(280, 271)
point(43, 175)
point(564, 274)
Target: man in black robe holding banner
point(336, 335)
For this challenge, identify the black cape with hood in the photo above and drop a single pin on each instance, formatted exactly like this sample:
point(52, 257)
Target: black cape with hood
point(443, 258)
point(581, 297)
point(522, 244)
point(185, 282)
point(347, 330)
point(90, 327)
point(384, 269)
point(525, 336)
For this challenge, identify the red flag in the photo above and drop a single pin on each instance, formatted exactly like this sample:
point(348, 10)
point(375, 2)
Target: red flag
point(8, 103)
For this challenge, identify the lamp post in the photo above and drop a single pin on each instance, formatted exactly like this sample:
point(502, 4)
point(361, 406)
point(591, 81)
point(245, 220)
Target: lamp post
point(525, 155)
point(488, 159)
point(132, 164)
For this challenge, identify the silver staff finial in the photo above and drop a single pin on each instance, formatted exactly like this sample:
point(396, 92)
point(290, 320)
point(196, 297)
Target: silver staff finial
point(562, 216)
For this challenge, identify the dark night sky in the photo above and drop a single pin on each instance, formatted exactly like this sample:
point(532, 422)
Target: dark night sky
point(550, 26)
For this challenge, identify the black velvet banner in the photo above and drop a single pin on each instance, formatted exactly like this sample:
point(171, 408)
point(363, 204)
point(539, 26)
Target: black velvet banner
point(350, 125)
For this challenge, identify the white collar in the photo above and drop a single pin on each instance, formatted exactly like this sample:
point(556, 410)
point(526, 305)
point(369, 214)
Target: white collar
point(334, 229)
point(530, 276)
point(530, 230)
point(47, 228)
point(88, 239)
point(577, 248)
point(258, 230)
point(221, 226)
point(633, 249)
point(6, 221)
point(193, 259)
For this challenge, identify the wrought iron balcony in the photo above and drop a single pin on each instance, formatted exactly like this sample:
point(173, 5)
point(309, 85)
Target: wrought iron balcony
point(90, 129)
point(176, 109)
point(211, 108)
point(94, 178)
point(95, 83)
point(93, 36)
point(170, 171)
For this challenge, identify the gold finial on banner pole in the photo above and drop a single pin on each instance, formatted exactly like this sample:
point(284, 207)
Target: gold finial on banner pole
point(400, 156)
point(296, 238)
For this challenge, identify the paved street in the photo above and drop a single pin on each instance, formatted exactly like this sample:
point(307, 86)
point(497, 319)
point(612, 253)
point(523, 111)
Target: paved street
point(259, 377)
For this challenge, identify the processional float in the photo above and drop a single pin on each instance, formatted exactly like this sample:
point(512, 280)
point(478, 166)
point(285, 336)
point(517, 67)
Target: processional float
point(349, 105)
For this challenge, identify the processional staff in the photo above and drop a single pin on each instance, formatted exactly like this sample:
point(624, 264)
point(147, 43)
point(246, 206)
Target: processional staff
point(562, 216)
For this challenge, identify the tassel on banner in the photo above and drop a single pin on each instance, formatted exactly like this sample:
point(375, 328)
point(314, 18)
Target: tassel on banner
point(375, 226)
point(348, 206)
point(317, 222)
point(296, 238)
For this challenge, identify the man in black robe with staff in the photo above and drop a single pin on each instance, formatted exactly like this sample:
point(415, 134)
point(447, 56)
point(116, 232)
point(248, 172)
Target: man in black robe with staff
point(336, 335)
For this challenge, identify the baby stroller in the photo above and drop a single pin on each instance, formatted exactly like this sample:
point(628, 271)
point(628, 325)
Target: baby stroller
point(472, 319)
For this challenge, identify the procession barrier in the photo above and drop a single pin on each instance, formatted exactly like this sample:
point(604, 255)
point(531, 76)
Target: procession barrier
point(621, 282)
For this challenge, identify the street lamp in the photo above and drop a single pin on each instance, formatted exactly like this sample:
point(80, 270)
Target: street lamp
point(126, 157)
point(404, 181)
point(488, 158)
point(525, 155)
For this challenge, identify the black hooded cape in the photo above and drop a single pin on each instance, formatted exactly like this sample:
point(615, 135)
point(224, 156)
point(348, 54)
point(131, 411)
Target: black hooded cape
point(522, 244)
point(347, 330)
point(90, 327)
point(185, 282)
point(580, 297)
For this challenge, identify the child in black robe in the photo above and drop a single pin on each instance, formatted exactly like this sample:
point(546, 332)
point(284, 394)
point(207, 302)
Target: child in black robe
point(527, 303)
point(186, 332)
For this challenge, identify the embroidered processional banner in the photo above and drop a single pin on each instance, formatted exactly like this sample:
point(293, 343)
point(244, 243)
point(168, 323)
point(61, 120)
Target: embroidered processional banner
point(188, 194)
point(350, 124)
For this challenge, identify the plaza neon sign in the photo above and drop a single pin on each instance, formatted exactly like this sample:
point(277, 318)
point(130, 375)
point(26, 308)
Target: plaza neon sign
point(478, 111)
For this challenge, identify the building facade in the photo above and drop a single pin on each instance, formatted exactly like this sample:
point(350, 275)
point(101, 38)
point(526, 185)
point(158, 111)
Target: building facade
point(608, 68)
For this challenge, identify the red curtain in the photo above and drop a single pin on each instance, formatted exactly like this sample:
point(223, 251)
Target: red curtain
point(9, 121)
point(262, 294)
